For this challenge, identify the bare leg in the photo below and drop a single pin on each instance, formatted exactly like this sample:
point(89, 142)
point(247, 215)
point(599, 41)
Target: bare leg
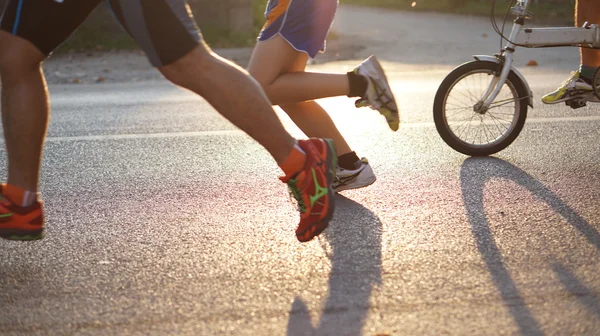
point(588, 10)
point(271, 64)
point(312, 119)
point(280, 69)
point(25, 109)
point(234, 94)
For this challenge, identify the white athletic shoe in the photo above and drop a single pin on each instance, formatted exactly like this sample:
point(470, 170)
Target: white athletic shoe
point(353, 179)
point(574, 87)
point(379, 95)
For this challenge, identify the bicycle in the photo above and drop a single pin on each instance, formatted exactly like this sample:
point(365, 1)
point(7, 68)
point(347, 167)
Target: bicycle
point(495, 112)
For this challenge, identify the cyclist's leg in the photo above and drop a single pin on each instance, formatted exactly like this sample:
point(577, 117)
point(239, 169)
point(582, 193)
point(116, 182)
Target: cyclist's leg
point(170, 38)
point(579, 84)
point(588, 11)
point(28, 34)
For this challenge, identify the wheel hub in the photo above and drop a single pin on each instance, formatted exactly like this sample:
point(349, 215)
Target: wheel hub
point(480, 108)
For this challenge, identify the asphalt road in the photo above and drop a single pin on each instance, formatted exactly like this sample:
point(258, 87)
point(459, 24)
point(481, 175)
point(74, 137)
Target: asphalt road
point(164, 219)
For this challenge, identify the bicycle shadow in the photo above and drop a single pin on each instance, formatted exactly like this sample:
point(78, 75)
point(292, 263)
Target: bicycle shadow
point(474, 174)
point(576, 288)
point(354, 236)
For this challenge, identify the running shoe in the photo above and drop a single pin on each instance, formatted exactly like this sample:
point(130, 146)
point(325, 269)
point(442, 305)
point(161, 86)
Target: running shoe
point(360, 177)
point(21, 223)
point(311, 187)
point(379, 95)
point(574, 87)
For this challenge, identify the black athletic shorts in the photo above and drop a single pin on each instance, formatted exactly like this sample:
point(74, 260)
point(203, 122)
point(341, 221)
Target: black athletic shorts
point(164, 29)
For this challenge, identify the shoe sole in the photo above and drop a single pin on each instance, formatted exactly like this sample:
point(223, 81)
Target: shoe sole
point(369, 182)
point(584, 94)
point(320, 226)
point(594, 100)
point(22, 234)
point(373, 61)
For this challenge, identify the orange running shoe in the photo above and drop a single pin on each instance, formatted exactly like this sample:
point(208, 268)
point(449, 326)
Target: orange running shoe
point(21, 223)
point(311, 187)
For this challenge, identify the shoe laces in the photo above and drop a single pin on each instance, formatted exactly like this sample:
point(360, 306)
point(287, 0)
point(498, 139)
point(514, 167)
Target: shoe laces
point(382, 98)
point(297, 194)
point(570, 82)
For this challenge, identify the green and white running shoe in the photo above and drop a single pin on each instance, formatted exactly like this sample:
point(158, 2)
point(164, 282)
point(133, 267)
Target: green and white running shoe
point(574, 87)
point(379, 95)
point(360, 177)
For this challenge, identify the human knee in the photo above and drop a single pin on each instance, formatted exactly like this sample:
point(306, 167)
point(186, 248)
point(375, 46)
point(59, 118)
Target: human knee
point(293, 109)
point(17, 56)
point(179, 71)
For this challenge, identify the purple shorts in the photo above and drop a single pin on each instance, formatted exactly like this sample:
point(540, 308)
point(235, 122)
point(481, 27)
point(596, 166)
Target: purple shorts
point(303, 23)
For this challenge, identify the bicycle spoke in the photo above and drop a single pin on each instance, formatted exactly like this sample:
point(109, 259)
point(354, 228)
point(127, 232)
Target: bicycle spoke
point(465, 122)
point(492, 115)
point(470, 126)
point(497, 125)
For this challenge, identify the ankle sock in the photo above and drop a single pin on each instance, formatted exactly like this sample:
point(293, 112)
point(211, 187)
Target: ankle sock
point(349, 161)
point(358, 85)
point(294, 162)
point(587, 72)
point(19, 196)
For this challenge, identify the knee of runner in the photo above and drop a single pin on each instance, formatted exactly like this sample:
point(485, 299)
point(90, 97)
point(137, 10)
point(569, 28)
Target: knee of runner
point(292, 109)
point(18, 57)
point(197, 61)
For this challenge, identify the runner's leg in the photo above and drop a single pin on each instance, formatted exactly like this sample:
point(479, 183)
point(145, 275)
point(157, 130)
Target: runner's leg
point(28, 35)
point(167, 32)
point(285, 86)
point(274, 59)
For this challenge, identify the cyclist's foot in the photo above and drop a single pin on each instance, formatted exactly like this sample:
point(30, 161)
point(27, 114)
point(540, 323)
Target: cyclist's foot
point(574, 87)
point(311, 187)
point(379, 95)
point(21, 223)
point(360, 177)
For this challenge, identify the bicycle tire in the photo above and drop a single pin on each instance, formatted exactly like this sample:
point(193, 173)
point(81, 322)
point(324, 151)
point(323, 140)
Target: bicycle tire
point(513, 83)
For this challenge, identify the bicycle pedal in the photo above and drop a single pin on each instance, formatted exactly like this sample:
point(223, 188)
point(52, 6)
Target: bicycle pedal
point(576, 103)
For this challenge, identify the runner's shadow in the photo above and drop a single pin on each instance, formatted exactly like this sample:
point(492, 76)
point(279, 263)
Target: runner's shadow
point(354, 236)
point(474, 174)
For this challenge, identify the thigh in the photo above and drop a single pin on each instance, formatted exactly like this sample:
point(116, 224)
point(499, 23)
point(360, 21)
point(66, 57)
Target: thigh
point(273, 58)
point(45, 23)
point(164, 29)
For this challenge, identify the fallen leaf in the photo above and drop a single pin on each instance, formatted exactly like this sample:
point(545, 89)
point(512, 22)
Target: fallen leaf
point(532, 63)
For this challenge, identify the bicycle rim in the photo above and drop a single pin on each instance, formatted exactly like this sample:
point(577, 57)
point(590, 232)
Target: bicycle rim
point(474, 129)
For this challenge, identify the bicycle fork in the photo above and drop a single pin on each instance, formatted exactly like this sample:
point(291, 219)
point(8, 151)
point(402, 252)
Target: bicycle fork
point(505, 61)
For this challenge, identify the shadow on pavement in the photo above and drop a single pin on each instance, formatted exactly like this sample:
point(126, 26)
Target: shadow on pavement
point(474, 174)
point(354, 236)
point(577, 289)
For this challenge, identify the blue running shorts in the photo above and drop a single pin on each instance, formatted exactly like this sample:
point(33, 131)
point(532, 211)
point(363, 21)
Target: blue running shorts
point(303, 23)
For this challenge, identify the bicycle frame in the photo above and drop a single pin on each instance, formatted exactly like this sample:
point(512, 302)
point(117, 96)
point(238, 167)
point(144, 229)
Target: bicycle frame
point(586, 36)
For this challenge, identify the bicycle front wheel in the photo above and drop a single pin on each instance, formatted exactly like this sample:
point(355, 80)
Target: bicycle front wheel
point(462, 122)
